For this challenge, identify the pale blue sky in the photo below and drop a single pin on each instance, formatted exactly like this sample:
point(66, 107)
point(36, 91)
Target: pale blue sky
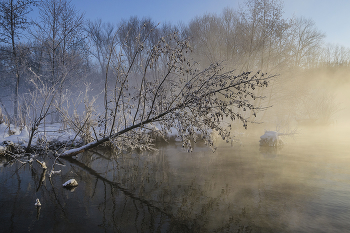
point(331, 16)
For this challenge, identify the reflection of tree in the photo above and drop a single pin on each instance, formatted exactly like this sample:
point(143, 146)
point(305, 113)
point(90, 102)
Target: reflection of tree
point(137, 202)
point(269, 151)
point(153, 189)
point(114, 184)
point(15, 202)
point(162, 191)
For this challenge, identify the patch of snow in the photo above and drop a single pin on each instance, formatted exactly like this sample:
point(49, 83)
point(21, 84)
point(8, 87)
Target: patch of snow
point(173, 132)
point(24, 133)
point(20, 137)
point(3, 131)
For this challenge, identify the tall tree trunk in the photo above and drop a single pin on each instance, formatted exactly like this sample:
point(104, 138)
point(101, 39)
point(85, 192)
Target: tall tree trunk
point(15, 104)
point(14, 59)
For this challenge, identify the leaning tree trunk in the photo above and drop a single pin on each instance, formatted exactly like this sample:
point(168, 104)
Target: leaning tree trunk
point(72, 152)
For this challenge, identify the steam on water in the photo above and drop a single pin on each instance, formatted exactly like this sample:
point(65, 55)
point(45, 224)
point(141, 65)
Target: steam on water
point(130, 85)
point(301, 187)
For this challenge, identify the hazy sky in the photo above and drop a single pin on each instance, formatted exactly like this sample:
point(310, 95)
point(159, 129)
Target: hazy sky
point(331, 16)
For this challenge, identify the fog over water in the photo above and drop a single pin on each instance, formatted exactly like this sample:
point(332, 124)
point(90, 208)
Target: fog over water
point(301, 187)
point(232, 121)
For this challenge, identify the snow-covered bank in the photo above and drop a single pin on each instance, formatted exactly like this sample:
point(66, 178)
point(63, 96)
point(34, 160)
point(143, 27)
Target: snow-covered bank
point(51, 132)
point(54, 133)
point(13, 134)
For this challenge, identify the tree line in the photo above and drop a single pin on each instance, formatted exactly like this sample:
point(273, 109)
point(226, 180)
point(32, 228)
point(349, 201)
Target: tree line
point(50, 57)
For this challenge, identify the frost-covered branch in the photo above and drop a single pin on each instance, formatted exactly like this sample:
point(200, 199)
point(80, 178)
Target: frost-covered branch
point(178, 97)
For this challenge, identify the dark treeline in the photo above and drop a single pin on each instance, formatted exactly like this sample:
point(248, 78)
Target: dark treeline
point(63, 49)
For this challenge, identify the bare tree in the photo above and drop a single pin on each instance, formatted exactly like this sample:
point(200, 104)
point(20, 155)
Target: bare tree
point(191, 101)
point(251, 38)
point(335, 55)
point(262, 27)
point(13, 21)
point(38, 104)
point(101, 37)
point(306, 41)
point(133, 32)
point(60, 31)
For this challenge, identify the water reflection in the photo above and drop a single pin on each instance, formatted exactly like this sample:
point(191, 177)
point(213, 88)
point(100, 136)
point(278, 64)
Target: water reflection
point(269, 151)
point(237, 189)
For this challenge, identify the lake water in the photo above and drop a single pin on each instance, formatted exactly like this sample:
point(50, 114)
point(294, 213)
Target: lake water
point(302, 187)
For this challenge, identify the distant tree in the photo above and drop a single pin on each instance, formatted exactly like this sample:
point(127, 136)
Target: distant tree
point(306, 41)
point(334, 55)
point(37, 104)
point(13, 22)
point(132, 33)
point(101, 37)
point(60, 33)
point(263, 27)
point(206, 35)
point(251, 38)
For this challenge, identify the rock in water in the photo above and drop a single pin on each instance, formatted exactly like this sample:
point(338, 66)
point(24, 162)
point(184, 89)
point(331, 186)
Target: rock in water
point(70, 183)
point(271, 138)
point(37, 202)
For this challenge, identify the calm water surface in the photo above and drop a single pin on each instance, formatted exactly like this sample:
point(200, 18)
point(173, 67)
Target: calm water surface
point(303, 187)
